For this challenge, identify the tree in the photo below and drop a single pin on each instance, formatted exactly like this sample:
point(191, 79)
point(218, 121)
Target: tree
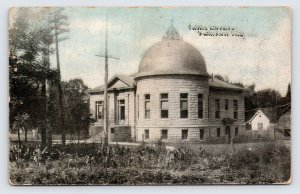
point(59, 24)
point(288, 94)
point(46, 40)
point(76, 103)
point(249, 94)
point(221, 77)
point(267, 98)
point(28, 68)
point(21, 122)
point(75, 107)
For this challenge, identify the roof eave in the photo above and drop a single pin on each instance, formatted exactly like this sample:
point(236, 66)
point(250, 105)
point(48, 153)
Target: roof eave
point(226, 88)
point(110, 89)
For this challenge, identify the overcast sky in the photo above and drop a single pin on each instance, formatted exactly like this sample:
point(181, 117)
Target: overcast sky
point(262, 56)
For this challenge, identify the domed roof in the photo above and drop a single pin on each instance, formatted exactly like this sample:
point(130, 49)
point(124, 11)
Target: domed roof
point(172, 56)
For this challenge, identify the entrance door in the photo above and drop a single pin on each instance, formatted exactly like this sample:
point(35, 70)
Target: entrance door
point(121, 112)
point(227, 132)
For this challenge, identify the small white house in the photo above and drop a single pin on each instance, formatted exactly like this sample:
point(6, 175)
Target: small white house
point(259, 121)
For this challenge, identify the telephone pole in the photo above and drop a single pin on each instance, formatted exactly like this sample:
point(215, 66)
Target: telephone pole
point(105, 103)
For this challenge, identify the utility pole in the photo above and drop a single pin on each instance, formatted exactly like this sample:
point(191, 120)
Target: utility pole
point(60, 102)
point(105, 103)
point(105, 123)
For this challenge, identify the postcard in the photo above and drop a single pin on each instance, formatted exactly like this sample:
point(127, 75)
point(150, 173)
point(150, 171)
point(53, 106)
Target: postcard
point(149, 95)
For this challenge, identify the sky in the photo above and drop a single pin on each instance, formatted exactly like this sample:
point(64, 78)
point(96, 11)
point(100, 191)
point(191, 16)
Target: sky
point(262, 56)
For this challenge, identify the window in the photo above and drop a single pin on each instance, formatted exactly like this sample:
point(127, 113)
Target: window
point(184, 134)
point(287, 133)
point(99, 110)
point(164, 106)
point(217, 107)
point(218, 132)
point(226, 104)
point(184, 113)
point(235, 109)
point(260, 126)
point(147, 106)
point(201, 134)
point(164, 134)
point(236, 131)
point(146, 133)
point(200, 106)
point(121, 108)
point(112, 130)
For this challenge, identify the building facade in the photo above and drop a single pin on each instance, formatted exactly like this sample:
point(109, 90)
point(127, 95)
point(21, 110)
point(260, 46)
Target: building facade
point(259, 121)
point(171, 98)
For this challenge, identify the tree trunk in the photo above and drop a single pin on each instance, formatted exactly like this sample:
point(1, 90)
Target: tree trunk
point(25, 133)
point(19, 138)
point(49, 137)
point(78, 134)
point(44, 115)
point(62, 122)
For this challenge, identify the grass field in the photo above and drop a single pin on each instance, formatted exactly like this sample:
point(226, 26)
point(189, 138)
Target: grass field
point(85, 164)
point(227, 147)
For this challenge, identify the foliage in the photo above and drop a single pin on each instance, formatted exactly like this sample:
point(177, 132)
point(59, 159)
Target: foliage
point(222, 78)
point(75, 106)
point(76, 99)
point(32, 33)
point(27, 67)
point(145, 164)
point(269, 164)
point(267, 98)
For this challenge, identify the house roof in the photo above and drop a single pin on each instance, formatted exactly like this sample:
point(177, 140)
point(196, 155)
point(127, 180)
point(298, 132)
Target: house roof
point(127, 79)
point(270, 113)
point(130, 82)
point(216, 83)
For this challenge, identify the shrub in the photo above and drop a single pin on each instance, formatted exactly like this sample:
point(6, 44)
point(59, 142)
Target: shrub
point(242, 158)
point(145, 164)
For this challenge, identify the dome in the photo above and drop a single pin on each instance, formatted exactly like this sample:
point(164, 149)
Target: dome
point(172, 56)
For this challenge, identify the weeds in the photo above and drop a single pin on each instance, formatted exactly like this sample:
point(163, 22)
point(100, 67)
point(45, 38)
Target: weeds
point(114, 164)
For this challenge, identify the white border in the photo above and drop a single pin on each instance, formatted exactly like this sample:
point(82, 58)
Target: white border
point(274, 189)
